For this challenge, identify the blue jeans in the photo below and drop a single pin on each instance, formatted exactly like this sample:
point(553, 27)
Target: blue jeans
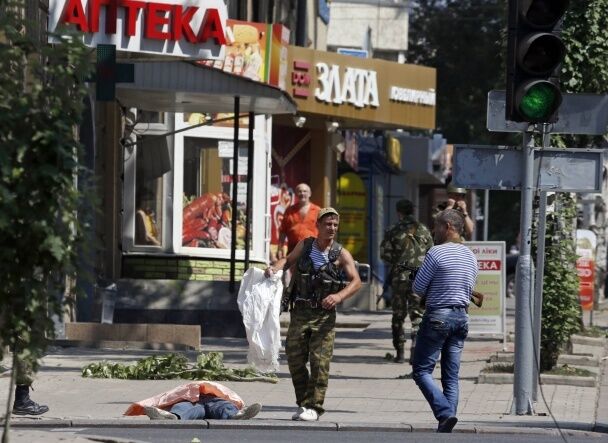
point(441, 331)
point(208, 406)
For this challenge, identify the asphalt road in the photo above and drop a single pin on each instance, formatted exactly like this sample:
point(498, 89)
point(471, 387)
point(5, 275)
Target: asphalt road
point(300, 436)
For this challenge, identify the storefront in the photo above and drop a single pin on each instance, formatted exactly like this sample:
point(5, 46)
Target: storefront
point(343, 102)
point(183, 184)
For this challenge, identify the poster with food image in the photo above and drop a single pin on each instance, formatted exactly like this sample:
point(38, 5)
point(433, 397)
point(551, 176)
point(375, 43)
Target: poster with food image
point(246, 49)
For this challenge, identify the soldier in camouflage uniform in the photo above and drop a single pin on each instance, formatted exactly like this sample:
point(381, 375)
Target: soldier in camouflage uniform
point(316, 290)
point(403, 249)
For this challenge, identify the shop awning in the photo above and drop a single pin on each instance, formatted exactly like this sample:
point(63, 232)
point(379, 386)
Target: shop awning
point(189, 87)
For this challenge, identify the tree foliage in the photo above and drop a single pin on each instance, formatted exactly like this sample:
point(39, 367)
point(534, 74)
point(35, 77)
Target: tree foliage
point(561, 308)
point(463, 40)
point(41, 103)
point(584, 70)
point(208, 366)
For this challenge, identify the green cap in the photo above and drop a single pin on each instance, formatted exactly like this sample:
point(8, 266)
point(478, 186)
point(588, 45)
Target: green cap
point(453, 189)
point(327, 211)
point(405, 207)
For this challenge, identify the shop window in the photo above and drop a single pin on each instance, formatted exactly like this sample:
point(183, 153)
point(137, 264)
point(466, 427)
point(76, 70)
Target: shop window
point(152, 162)
point(207, 193)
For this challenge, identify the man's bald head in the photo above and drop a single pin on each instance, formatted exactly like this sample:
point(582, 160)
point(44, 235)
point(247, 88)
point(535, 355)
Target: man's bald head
point(303, 193)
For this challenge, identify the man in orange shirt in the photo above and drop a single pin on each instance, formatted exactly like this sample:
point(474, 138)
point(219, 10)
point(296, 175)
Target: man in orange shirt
point(299, 221)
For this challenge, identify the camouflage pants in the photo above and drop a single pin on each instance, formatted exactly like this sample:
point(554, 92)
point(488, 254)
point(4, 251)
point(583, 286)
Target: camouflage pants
point(310, 337)
point(404, 303)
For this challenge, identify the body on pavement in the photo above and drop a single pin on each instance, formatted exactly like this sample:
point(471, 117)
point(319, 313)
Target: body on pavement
point(403, 249)
point(445, 281)
point(196, 401)
point(317, 287)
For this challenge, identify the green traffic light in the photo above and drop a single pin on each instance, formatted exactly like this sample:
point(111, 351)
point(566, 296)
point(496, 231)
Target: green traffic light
point(539, 101)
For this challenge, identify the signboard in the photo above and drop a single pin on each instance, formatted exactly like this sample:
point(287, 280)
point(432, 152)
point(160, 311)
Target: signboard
point(361, 53)
point(500, 167)
point(362, 90)
point(586, 242)
point(167, 27)
point(491, 282)
point(351, 203)
point(578, 114)
point(255, 50)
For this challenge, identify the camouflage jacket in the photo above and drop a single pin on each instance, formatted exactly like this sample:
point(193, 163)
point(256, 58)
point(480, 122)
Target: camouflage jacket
point(404, 246)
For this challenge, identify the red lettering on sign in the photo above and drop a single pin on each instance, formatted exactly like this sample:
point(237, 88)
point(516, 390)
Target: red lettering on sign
point(489, 265)
point(181, 23)
point(155, 22)
point(74, 14)
point(162, 21)
point(211, 28)
point(301, 92)
point(132, 9)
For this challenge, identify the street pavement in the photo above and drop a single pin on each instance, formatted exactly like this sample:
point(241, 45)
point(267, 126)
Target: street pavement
point(364, 390)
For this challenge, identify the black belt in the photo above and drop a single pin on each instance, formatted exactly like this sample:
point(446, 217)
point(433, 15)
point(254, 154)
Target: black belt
point(453, 308)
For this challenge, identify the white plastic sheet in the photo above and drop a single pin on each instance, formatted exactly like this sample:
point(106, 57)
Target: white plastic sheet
point(259, 301)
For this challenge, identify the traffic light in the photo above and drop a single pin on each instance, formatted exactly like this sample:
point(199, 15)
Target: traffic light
point(535, 54)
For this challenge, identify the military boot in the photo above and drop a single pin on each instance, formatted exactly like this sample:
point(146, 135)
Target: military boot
point(24, 405)
point(400, 357)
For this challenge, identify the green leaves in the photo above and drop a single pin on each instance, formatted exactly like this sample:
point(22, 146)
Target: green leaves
point(40, 109)
point(209, 366)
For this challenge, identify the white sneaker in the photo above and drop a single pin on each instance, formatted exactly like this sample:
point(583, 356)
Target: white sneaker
point(296, 415)
point(309, 415)
point(247, 412)
point(158, 414)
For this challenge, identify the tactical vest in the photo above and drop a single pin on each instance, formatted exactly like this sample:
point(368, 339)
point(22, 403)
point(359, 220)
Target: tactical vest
point(314, 285)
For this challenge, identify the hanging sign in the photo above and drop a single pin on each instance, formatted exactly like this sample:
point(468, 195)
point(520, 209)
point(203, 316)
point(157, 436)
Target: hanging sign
point(167, 27)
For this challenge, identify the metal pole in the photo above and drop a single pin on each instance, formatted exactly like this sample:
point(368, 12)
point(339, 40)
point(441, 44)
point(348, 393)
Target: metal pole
point(540, 275)
point(524, 351)
point(486, 211)
point(249, 187)
point(235, 182)
point(538, 293)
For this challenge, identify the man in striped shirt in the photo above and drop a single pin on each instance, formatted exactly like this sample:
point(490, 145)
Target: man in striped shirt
point(445, 282)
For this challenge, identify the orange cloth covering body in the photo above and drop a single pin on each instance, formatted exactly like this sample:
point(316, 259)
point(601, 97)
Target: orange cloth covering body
point(188, 392)
point(297, 228)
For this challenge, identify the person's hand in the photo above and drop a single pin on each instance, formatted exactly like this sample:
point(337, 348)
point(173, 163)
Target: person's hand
point(331, 301)
point(462, 206)
point(450, 203)
point(269, 271)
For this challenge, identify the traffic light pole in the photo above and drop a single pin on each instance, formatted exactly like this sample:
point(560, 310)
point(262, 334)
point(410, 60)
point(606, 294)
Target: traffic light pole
point(540, 274)
point(524, 348)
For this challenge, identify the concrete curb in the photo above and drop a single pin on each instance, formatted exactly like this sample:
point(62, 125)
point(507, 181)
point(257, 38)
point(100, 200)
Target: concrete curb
point(465, 428)
point(547, 379)
point(589, 341)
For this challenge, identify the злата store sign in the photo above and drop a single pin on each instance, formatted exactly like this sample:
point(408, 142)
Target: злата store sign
point(169, 27)
point(363, 92)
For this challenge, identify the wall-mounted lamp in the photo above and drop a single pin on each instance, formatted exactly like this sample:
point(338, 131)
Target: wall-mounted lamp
point(299, 120)
point(332, 126)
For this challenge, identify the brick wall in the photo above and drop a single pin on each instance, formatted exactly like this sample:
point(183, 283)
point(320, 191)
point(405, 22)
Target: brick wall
point(181, 268)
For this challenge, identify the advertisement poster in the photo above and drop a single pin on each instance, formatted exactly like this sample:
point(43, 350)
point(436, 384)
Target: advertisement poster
point(351, 203)
point(586, 242)
point(490, 318)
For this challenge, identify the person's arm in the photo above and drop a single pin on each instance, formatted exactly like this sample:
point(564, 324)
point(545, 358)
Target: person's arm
point(424, 276)
point(469, 225)
point(348, 265)
point(281, 245)
point(285, 262)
